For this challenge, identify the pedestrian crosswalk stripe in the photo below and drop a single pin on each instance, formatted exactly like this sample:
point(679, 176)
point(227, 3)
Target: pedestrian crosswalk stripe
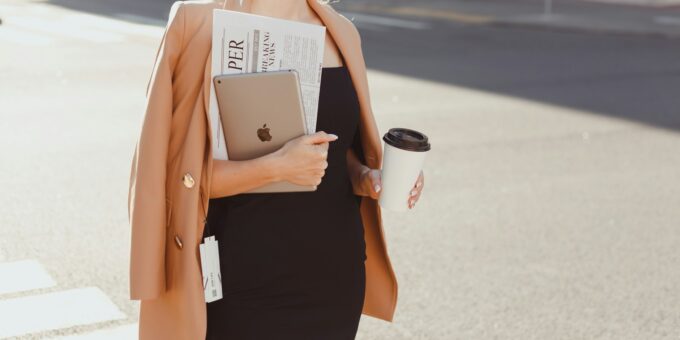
point(120, 25)
point(42, 24)
point(17, 36)
point(23, 275)
point(127, 332)
point(143, 20)
point(63, 309)
point(65, 28)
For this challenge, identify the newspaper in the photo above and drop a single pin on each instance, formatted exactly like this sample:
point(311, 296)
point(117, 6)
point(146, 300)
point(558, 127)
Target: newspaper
point(245, 42)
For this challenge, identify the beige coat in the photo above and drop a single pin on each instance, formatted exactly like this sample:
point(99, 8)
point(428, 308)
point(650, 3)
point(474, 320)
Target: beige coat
point(171, 175)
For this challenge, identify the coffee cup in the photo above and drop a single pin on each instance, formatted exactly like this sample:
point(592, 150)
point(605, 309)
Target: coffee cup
point(403, 159)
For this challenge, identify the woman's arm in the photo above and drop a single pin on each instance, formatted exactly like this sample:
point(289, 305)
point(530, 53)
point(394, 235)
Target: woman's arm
point(302, 160)
point(233, 177)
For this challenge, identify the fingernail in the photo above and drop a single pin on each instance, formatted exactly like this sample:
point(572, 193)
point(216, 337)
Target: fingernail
point(377, 188)
point(418, 185)
point(413, 192)
point(334, 135)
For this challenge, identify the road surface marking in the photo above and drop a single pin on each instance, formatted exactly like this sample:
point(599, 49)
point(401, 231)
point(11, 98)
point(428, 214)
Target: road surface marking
point(64, 28)
point(23, 275)
point(37, 25)
point(127, 332)
point(441, 14)
point(372, 27)
point(142, 20)
point(15, 36)
point(56, 310)
point(667, 20)
point(385, 21)
point(120, 25)
point(641, 3)
point(430, 13)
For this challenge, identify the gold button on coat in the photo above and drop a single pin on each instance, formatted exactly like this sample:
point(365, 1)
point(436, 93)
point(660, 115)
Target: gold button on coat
point(188, 180)
point(178, 241)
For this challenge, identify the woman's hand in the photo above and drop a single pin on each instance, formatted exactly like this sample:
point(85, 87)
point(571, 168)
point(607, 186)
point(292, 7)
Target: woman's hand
point(303, 160)
point(370, 183)
point(416, 190)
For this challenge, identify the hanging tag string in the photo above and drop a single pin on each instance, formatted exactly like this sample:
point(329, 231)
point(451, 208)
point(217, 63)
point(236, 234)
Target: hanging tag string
point(206, 225)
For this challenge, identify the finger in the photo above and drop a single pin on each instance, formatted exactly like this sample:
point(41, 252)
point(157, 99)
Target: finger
point(318, 148)
point(413, 197)
point(370, 183)
point(419, 181)
point(323, 146)
point(320, 137)
point(412, 201)
point(378, 179)
point(416, 197)
point(413, 193)
point(376, 183)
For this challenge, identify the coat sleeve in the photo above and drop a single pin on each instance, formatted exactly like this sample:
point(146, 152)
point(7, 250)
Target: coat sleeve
point(146, 195)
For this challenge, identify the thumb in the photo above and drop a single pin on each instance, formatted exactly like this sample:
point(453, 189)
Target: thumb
point(320, 137)
point(376, 183)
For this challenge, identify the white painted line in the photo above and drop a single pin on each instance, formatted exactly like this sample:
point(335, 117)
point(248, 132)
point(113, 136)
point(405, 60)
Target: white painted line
point(21, 37)
point(374, 19)
point(64, 28)
point(120, 25)
point(372, 27)
point(57, 310)
point(23, 275)
point(667, 20)
point(127, 332)
point(142, 19)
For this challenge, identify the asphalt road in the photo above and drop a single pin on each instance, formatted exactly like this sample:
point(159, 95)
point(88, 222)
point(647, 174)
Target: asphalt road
point(550, 209)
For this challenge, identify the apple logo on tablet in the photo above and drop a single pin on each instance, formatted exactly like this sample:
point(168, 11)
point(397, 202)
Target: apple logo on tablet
point(263, 133)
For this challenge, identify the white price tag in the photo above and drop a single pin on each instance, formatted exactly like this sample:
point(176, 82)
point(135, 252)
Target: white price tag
point(210, 266)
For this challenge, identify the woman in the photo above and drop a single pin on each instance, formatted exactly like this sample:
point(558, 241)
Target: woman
point(298, 265)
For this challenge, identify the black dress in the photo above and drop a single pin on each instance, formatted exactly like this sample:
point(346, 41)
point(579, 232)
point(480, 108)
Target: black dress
point(292, 263)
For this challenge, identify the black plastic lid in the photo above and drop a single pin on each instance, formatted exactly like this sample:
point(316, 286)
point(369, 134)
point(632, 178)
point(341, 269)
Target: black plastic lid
point(407, 139)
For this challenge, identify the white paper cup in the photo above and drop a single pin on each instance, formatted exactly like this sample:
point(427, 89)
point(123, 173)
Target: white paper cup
point(403, 158)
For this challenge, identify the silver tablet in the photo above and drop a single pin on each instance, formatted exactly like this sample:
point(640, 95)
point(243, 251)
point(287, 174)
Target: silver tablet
point(259, 113)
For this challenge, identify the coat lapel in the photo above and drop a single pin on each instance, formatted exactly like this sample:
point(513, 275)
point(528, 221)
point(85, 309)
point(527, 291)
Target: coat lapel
point(345, 41)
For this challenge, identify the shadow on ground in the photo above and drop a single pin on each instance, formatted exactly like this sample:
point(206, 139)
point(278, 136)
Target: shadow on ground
point(631, 77)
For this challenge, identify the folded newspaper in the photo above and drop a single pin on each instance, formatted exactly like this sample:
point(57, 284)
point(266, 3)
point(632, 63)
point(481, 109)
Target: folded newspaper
point(244, 43)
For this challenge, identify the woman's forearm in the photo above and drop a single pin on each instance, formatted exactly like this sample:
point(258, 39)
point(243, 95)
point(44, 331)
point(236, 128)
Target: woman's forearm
point(234, 177)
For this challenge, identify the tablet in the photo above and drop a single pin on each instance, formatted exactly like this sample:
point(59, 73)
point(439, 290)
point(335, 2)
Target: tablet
point(259, 113)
